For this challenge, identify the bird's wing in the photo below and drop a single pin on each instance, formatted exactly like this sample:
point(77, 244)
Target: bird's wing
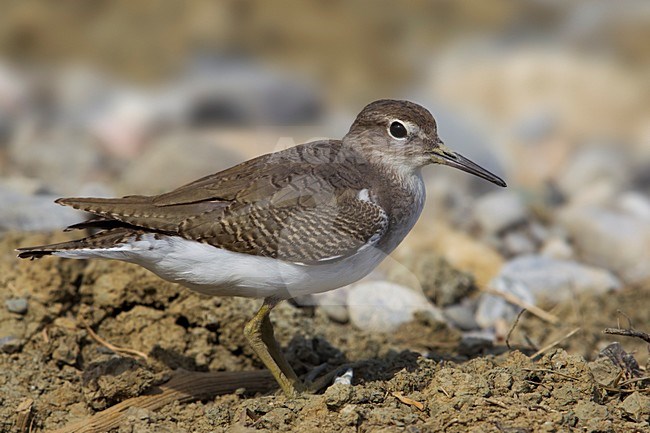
point(301, 205)
point(304, 229)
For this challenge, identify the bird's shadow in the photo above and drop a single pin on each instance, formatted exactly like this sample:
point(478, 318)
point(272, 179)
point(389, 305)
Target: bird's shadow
point(313, 357)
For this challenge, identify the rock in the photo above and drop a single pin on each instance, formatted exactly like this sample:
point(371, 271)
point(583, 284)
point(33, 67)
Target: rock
point(605, 372)
point(334, 303)
point(557, 280)
point(41, 157)
point(10, 344)
point(381, 306)
point(635, 204)
point(115, 379)
point(16, 305)
point(637, 406)
point(594, 169)
point(517, 243)
point(24, 212)
point(462, 315)
point(611, 239)
point(337, 395)
point(557, 247)
point(536, 277)
point(461, 250)
point(440, 282)
point(497, 211)
point(491, 308)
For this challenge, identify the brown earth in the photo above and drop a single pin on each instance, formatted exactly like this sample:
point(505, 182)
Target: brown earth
point(423, 377)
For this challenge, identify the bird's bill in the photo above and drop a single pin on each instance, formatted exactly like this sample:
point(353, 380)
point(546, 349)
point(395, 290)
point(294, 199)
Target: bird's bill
point(445, 156)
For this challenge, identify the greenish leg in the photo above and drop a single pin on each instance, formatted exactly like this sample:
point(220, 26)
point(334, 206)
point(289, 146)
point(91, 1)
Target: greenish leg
point(259, 333)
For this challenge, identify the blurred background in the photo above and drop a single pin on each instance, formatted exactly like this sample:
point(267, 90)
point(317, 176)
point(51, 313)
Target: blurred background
point(112, 98)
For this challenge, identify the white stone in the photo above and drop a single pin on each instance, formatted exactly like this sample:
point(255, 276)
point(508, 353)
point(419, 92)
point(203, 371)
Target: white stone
point(611, 239)
point(635, 204)
point(557, 247)
point(535, 277)
point(557, 280)
point(497, 211)
point(594, 174)
point(381, 306)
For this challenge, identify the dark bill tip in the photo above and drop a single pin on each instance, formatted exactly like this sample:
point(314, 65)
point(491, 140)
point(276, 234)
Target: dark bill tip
point(458, 161)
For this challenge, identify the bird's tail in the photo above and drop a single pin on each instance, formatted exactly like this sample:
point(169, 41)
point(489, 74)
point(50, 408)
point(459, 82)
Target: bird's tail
point(81, 248)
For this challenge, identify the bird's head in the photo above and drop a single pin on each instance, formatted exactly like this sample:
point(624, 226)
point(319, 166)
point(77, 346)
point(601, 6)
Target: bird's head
point(405, 135)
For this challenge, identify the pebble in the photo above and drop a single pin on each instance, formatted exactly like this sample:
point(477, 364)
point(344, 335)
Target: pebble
point(381, 306)
point(497, 211)
point(557, 280)
point(334, 304)
point(10, 344)
point(491, 308)
point(637, 406)
point(611, 239)
point(557, 247)
point(41, 157)
point(462, 315)
point(16, 305)
point(518, 243)
point(590, 169)
point(337, 395)
point(439, 281)
point(635, 204)
point(535, 277)
point(20, 211)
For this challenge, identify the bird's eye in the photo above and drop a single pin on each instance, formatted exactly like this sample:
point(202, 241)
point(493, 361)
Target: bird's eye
point(398, 130)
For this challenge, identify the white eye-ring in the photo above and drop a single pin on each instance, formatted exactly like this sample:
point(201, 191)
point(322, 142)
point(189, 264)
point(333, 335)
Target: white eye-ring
point(398, 130)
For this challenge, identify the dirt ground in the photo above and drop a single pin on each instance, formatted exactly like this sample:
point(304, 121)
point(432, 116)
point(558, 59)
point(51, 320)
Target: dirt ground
point(55, 375)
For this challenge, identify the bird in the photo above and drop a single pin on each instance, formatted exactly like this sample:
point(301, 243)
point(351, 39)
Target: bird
point(303, 220)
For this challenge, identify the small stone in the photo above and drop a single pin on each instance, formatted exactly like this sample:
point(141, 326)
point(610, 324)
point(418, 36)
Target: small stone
point(557, 280)
point(591, 168)
point(491, 308)
point(604, 371)
point(517, 243)
point(16, 305)
point(557, 248)
point(382, 306)
point(637, 406)
point(441, 282)
point(612, 239)
point(334, 304)
point(23, 212)
point(337, 395)
point(497, 211)
point(590, 411)
point(635, 204)
point(462, 315)
point(10, 344)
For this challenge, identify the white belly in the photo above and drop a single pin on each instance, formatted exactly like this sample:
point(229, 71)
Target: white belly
point(219, 272)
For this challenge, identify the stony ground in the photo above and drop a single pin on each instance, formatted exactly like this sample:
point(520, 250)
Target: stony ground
point(423, 377)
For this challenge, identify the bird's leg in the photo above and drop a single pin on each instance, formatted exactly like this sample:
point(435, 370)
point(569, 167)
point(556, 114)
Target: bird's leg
point(259, 333)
